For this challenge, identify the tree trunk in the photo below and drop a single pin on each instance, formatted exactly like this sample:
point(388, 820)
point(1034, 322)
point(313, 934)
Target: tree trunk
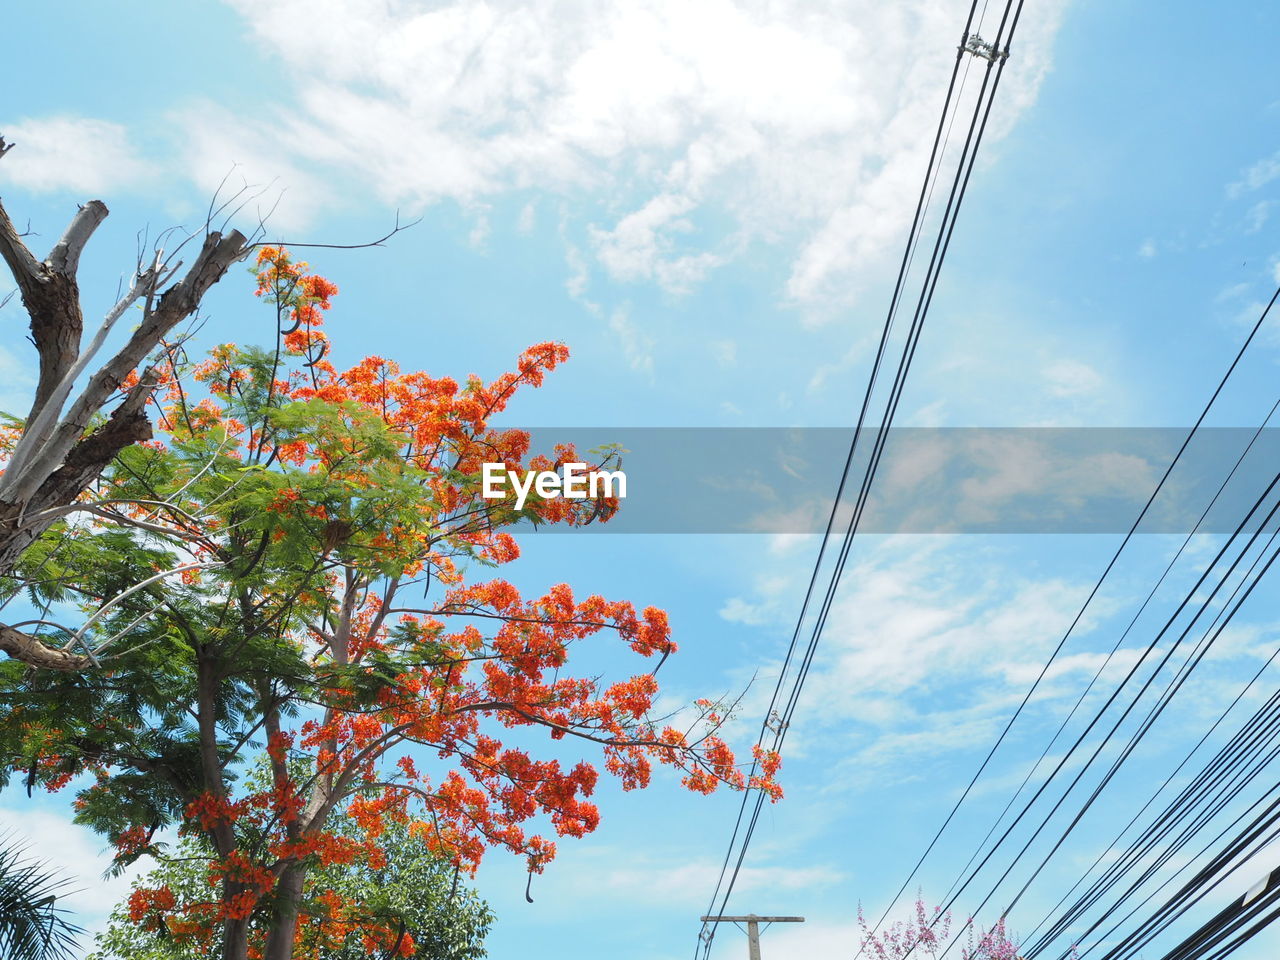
point(235, 931)
point(284, 927)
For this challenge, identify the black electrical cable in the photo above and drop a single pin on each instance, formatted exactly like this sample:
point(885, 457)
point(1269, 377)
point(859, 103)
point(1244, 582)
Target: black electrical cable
point(1151, 648)
point(1248, 843)
point(1115, 649)
point(908, 255)
point(1105, 937)
point(1097, 676)
point(1259, 730)
point(899, 382)
point(1226, 924)
point(1044, 670)
point(958, 190)
point(1236, 753)
point(1076, 620)
point(1207, 871)
point(1180, 678)
point(1132, 672)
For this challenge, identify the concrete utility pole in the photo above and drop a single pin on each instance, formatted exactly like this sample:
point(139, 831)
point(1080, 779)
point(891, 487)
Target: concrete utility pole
point(753, 928)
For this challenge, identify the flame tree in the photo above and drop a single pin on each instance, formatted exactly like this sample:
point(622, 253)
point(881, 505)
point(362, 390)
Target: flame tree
point(255, 579)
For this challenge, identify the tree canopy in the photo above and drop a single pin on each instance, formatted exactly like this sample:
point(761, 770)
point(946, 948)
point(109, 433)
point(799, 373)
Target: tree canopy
point(293, 566)
point(415, 896)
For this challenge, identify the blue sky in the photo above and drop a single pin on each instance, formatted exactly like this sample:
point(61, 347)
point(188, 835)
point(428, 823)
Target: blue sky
point(706, 201)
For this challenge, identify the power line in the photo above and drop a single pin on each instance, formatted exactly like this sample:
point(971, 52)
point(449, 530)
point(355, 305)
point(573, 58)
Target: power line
point(1110, 656)
point(907, 257)
point(1261, 896)
point(1146, 685)
point(1257, 733)
point(1256, 836)
point(1062, 642)
point(1235, 754)
point(1220, 774)
point(1226, 792)
point(995, 59)
point(1156, 711)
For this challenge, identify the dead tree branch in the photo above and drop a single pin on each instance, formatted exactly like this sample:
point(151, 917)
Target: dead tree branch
point(58, 455)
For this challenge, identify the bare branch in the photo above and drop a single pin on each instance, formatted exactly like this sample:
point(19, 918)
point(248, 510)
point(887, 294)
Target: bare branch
point(175, 304)
point(22, 263)
point(127, 424)
point(133, 623)
point(43, 623)
point(399, 227)
point(98, 507)
point(157, 528)
point(40, 428)
point(64, 258)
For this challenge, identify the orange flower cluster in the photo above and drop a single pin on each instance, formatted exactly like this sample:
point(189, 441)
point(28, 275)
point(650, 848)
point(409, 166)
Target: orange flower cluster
point(251, 880)
point(132, 839)
point(301, 297)
point(146, 903)
point(210, 811)
point(335, 922)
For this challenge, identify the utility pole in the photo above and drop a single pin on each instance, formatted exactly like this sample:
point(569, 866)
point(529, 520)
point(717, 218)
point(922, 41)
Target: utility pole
point(753, 928)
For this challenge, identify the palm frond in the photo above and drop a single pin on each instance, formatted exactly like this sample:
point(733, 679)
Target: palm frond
point(32, 925)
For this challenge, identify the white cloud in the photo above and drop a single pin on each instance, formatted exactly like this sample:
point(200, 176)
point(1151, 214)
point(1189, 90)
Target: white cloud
point(915, 459)
point(1004, 365)
point(77, 154)
point(640, 246)
point(784, 544)
point(528, 218)
point(933, 641)
point(772, 590)
point(725, 352)
point(1255, 641)
point(941, 480)
point(1256, 217)
point(579, 274)
point(479, 235)
point(636, 344)
point(814, 939)
point(830, 370)
point(797, 121)
point(737, 610)
point(1071, 378)
point(660, 879)
point(924, 621)
point(1148, 249)
point(227, 156)
point(1234, 292)
point(78, 854)
point(1256, 176)
point(690, 881)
